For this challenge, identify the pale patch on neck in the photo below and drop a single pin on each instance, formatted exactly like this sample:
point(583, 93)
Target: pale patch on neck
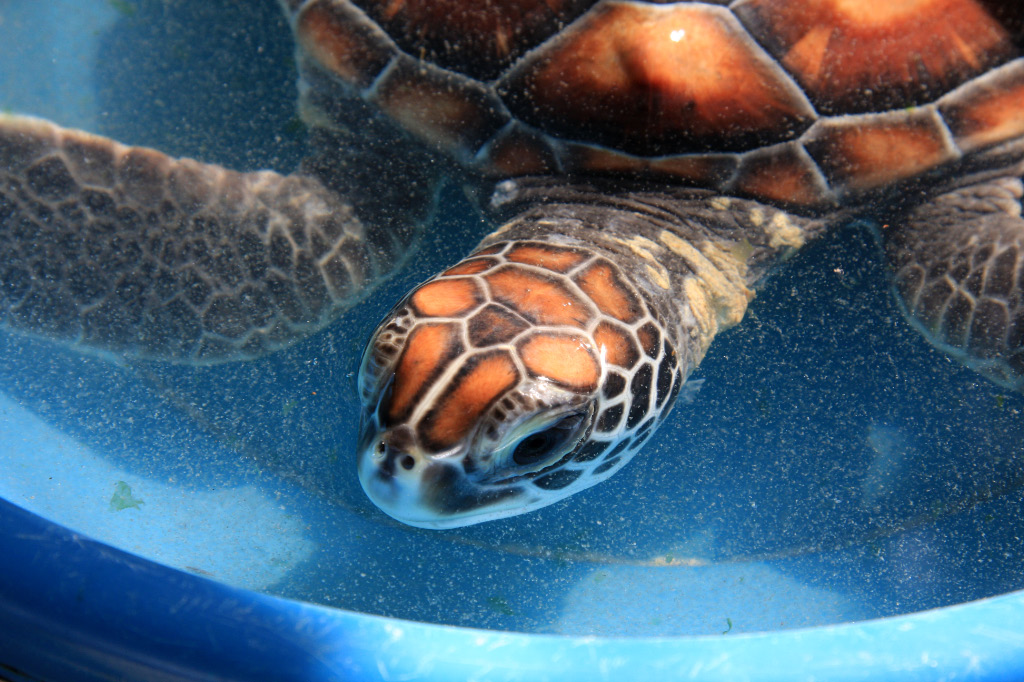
point(718, 292)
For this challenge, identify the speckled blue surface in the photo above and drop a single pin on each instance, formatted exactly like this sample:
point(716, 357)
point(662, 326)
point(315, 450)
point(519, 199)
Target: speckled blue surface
point(833, 474)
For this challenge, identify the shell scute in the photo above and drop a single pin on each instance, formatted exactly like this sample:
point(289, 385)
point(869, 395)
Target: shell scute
point(428, 350)
point(447, 297)
point(476, 38)
point(480, 383)
point(539, 299)
point(987, 111)
point(547, 256)
point(707, 170)
point(656, 79)
point(441, 108)
point(754, 97)
point(567, 360)
point(344, 41)
point(855, 56)
point(782, 173)
point(860, 153)
point(518, 151)
point(612, 296)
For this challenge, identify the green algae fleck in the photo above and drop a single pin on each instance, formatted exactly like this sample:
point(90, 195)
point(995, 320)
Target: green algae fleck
point(500, 605)
point(122, 498)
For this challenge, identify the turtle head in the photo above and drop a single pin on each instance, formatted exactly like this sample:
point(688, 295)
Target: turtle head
point(497, 388)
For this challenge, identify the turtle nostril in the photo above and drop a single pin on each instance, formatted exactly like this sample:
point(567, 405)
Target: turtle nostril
point(387, 459)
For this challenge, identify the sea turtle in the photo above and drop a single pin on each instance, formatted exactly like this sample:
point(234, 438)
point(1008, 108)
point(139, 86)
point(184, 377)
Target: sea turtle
point(650, 162)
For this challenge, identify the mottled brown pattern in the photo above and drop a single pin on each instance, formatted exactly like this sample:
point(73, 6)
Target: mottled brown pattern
point(859, 154)
point(134, 252)
point(494, 325)
point(477, 38)
point(871, 55)
point(653, 79)
point(343, 42)
point(988, 111)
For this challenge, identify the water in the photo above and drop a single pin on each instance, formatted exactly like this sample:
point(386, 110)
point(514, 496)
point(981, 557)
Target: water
point(833, 467)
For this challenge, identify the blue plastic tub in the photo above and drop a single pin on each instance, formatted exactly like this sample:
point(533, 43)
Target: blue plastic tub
point(839, 502)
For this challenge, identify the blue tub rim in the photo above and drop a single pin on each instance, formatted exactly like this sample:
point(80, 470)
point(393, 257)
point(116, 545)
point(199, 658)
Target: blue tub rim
point(75, 608)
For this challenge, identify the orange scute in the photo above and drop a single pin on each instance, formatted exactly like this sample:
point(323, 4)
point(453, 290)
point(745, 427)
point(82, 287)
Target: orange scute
point(517, 152)
point(493, 325)
point(989, 113)
point(446, 297)
point(566, 360)
point(539, 299)
point(649, 339)
point(547, 256)
point(427, 349)
point(490, 250)
point(470, 266)
point(483, 380)
point(874, 151)
point(651, 79)
point(343, 46)
point(478, 38)
point(617, 344)
point(782, 174)
point(863, 55)
point(603, 285)
point(438, 108)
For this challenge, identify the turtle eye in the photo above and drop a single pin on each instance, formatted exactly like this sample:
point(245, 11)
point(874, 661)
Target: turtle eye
point(542, 444)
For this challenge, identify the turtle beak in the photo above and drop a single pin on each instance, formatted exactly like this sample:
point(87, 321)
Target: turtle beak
point(427, 492)
point(391, 474)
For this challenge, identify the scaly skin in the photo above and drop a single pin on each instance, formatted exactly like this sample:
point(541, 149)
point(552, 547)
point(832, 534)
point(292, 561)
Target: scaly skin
point(127, 250)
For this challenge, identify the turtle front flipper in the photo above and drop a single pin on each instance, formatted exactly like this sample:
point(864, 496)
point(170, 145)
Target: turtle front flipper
point(125, 249)
point(958, 264)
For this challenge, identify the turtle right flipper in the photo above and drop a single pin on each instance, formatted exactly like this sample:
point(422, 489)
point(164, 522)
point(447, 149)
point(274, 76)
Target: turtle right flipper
point(958, 264)
point(125, 249)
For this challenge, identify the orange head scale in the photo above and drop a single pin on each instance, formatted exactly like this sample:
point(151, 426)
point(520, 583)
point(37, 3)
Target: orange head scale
point(524, 374)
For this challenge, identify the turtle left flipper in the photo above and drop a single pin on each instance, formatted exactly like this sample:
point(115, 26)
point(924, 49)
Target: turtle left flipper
point(127, 250)
point(958, 266)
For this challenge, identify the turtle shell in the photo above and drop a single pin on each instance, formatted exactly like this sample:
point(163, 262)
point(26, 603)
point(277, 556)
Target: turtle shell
point(801, 102)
